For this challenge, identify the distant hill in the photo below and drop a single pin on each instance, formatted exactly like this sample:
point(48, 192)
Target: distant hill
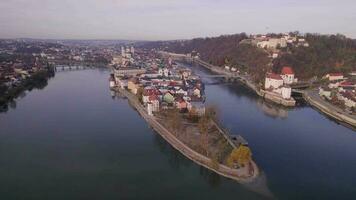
point(326, 53)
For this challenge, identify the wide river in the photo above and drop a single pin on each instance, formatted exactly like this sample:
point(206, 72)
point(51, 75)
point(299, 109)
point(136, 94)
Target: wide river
point(72, 140)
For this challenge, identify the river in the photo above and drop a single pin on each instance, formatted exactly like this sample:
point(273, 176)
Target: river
point(73, 140)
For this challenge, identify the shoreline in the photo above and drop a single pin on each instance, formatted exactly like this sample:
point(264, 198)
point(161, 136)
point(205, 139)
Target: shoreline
point(38, 80)
point(329, 111)
point(187, 151)
point(244, 79)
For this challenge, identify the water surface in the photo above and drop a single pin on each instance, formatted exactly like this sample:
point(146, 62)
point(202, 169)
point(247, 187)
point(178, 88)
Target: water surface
point(72, 140)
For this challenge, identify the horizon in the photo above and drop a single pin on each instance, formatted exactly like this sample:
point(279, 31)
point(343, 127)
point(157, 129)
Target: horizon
point(140, 40)
point(170, 20)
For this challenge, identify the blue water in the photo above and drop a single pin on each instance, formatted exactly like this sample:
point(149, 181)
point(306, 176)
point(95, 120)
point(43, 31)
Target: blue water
point(72, 140)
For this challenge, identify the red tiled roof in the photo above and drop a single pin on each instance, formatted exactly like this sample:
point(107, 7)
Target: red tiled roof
point(335, 74)
point(347, 83)
point(287, 70)
point(149, 92)
point(152, 98)
point(274, 76)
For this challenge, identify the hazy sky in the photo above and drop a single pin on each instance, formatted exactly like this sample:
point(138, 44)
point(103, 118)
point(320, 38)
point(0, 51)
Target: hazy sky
point(171, 19)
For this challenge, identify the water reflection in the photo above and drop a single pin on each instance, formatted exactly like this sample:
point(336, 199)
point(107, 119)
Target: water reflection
point(175, 159)
point(179, 162)
point(212, 178)
point(39, 84)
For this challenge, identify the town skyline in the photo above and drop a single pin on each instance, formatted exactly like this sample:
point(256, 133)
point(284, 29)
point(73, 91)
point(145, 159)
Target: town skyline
point(170, 20)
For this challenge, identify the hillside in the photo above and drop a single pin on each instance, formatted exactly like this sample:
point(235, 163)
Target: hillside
point(325, 54)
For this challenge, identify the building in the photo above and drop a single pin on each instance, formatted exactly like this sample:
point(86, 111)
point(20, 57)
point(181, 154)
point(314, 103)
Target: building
point(335, 76)
point(168, 98)
point(133, 85)
point(325, 92)
point(273, 43)
point(112, 83)
point(128, 71)
point(273, 81)
point(287, 75)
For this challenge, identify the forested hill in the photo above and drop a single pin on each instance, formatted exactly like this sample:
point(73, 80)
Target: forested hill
point(326, 53)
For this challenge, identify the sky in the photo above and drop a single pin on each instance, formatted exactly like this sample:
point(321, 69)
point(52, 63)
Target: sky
point(171, 19)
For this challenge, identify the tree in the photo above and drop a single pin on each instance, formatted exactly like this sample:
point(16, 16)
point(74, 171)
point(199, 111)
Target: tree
point(175, 121)
point(240, 156)
point(203, 126)
point(139, 94)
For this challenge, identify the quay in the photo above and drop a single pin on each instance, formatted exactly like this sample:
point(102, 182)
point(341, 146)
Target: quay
point(313, 98)
point(233, 76)
point(239, 175)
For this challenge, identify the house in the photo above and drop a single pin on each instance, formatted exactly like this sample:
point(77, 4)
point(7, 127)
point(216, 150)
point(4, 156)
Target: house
point(348, 98)
point(147, 92)
point(112, 83)
point(197, 92)
point(163, 72)
point(181, 91)
point(122, 83)
point(272, 43)
point(335, 76)
point(325, 92)
point(333, 84)
point(348, 84)
point(353, 73)
point(168, 98)
point(273, 81)
point(181, 104)
point(154, 100)
point(287, 75)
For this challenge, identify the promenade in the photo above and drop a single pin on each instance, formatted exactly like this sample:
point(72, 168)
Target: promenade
point(313, 98)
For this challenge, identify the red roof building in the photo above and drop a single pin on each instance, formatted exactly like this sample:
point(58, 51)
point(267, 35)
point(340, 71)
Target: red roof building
point(287, 70)
point(274, 76)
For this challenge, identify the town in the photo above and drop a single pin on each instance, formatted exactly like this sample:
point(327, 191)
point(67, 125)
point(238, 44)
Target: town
point(160, 84)
point(171, 98)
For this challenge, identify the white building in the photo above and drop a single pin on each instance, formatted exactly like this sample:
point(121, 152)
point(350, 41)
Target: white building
point(273, 81)
point(273, 43)
point(335, 76)
point(325, 92)
point(163, 72)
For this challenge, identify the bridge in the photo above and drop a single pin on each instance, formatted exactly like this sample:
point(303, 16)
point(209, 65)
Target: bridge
point(71, 68)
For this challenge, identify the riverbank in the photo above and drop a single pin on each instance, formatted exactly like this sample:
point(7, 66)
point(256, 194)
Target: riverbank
point(241, 175)
point(37, 80)
point(234, 75)
point(313, 98)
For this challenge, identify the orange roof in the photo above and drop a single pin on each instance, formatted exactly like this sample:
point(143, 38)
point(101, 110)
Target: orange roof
point(274, 76)
point(287, 70)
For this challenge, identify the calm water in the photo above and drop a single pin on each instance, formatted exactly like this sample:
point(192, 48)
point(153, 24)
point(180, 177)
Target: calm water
point(72, 140)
